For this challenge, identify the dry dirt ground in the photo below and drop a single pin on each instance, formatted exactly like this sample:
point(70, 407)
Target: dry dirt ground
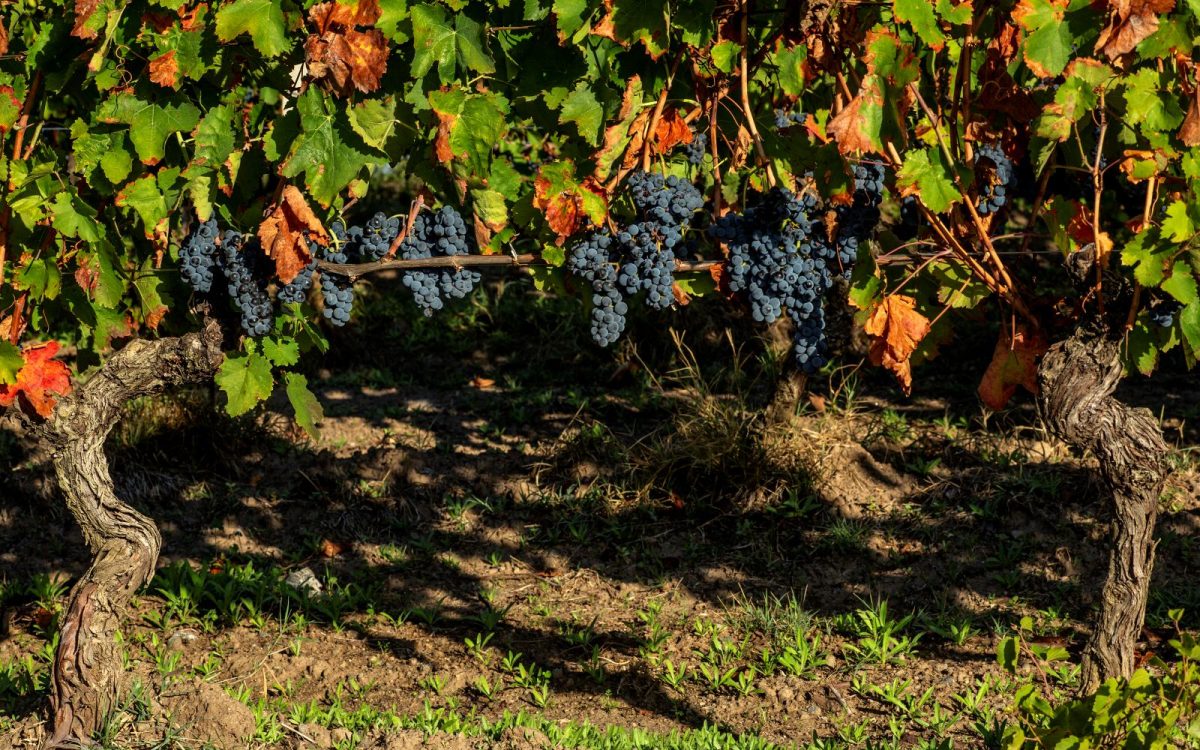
point(645, 555)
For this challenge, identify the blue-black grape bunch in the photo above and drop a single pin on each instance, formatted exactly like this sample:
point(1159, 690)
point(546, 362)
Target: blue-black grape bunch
point(442, 232)
point(198, 256)
point(993, 186)
point(248, 271)
point(1163, 311)
point(782, 257)
point(245, 268)
point(857, 221)
point(641, 257)
point(785, 119)
point(694, 151)
point(591, 259)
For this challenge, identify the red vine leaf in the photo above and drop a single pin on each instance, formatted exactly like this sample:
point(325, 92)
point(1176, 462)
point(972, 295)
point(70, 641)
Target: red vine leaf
point(285, 233)
point(671, 131)
point(895, 329)
point(1013, 364)
point(340, 53)
point(852, 127)
point(164, 70)
point(1081, 228)
point(39, 380)
point(84, 10)
point(1189, 131)
point(1129, 22)
point(567, 203)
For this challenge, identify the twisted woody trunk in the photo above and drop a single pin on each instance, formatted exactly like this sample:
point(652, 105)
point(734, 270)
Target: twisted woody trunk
point(87, 672)
point(1077, 378)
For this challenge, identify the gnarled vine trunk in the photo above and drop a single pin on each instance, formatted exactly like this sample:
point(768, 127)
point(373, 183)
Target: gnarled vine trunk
point(1077, 378)
point(87, 671)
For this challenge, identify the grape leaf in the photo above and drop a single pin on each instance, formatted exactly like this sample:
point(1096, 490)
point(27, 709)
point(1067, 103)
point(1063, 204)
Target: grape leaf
point(569, 17)
point(74, 218)
point(1129, 22)
point(1048, 38)
point(144, 197)
point(40, 380)
point(327, 150)
point(246, 379)
point(261, 19)
point(11, 362)
point(1150, 103)
point(1189, 323)
point(1014, 363)
point(1179, 224)
point(1181, 284)
point(925, 175)
point(435, 41)
point(895, 328)
point(281, 352)
point(642, 21)
point(919, 14)
point(727, 55)
point(304, 403)
point(582, 108)
point(284, 235)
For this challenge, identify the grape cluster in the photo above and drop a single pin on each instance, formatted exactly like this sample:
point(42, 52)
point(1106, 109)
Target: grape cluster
point(857, 221)
point(785, 119)
point(992, 192)
point(441, 233)
point(590, 259)
point(198, 256)
point(377, 236)
point(296, 289)
point(1163, 311)
point(337, 292)
point(694, 151)
point(780, 257)
point(243, 264)
point(664, 208)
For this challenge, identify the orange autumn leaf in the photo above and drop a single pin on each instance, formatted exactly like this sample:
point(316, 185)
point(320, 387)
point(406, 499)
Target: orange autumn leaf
point(39, 380)
point(330, 548)
point(84, 9)
point(340, 53)
point(1014, 363)
point(850, 127)
point(671, 130)
point(1130, 22)
point(895, 329)
point(482, 383)
point(1081, 229)
point(285, 233)
point(1189, 131)
point(164, 70)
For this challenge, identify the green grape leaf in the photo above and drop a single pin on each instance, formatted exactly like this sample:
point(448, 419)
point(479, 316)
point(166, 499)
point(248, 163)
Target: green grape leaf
point(1048, 38)
point(925, 175)
point(375, 121)
point(919, 14)
point(642, 21)
point(74, 218)
point(959, 14)
point(490, 207)
point(215, 139)
point(246, 380)
point(262, 19)
point(1142, 352)
point(569, 17)
point(11, 362)
point(1181, 284)
point(726, 57)
point(150, 122)
point(144, 197)
point(282, 352)
point(1180, 225)
point(582, 108)
point(304, 403)
point(1150, 103)
point(41, 278)
point(327, 151)
point(1148, 255)
point(117, 163)
point(1189, 324)
point(437, 42)
point(470, 127)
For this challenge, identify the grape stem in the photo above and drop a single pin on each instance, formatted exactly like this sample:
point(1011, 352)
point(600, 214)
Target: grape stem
point(747, 111)
point(413, 210)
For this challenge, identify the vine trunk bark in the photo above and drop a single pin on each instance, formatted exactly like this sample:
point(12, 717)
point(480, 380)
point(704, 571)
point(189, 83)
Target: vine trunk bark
point(1077, 378)
point(87, 671)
